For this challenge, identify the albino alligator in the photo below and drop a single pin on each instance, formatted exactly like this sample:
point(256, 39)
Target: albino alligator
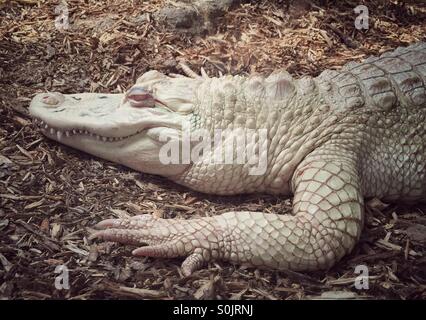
point(331, 141)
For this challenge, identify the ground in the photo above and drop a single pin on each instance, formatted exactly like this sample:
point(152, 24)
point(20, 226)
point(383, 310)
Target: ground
point(52, 195)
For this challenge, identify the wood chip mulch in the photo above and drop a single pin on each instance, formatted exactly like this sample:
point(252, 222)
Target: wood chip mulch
point(51, 195)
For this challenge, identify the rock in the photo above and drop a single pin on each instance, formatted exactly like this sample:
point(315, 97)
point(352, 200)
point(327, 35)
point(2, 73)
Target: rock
point(215, 8)
point(182, 17)
point(194, 16)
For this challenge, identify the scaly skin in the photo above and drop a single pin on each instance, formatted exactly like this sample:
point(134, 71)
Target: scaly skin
point(332, 141)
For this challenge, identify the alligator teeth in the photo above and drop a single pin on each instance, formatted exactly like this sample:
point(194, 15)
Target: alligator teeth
point(68, 133)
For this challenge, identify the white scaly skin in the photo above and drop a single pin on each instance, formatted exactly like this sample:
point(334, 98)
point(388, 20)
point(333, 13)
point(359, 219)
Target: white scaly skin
point(332, 141)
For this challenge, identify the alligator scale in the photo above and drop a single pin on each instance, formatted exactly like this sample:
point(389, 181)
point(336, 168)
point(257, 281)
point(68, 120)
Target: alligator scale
point(332, 141)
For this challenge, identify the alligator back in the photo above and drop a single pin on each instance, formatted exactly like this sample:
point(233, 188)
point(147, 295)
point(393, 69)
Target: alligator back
point(396, 78)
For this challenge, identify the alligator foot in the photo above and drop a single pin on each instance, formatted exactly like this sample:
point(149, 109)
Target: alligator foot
point(196, 239)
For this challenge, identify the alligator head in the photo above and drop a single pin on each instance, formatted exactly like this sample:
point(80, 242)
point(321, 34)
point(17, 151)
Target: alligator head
point(123, 128)
point(160, 111)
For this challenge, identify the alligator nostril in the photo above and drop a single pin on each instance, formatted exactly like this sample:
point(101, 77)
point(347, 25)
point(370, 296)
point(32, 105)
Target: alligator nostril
point(49, 100)
point(52, 99)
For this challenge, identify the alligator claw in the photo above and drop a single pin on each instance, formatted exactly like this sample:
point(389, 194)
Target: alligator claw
point(194, 239)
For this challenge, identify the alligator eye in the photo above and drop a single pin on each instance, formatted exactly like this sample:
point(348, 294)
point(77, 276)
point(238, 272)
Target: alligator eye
point(140, 98)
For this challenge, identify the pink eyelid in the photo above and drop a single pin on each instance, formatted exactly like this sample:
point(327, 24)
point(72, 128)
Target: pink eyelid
point(139, 95)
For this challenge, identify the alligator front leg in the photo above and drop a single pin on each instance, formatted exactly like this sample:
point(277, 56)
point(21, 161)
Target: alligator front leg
point(328, 209)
